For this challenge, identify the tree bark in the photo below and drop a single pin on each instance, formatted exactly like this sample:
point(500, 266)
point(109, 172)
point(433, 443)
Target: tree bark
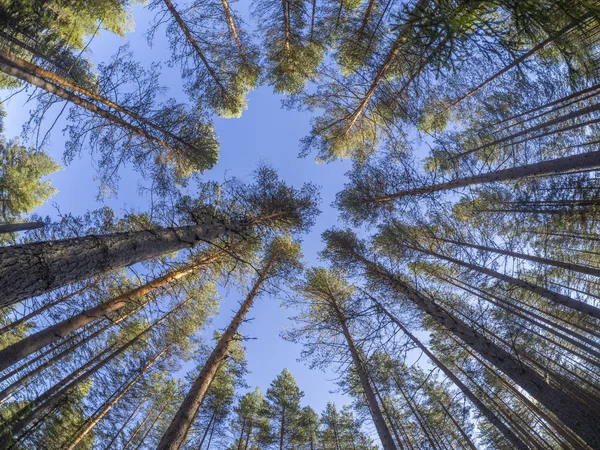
point(576, 415)
point(51, 397)
point(552, 167)
point(16, 227)
point(175, 435)
point(31, 269)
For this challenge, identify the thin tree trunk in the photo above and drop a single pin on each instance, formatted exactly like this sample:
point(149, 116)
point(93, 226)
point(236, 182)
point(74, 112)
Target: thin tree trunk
point(31, 269)
point(145, 435)
point(100, 415)
point(16, 227)
point(51, 397)
point(576, 415)
point(131, 416)
point(519, 60)
point(552, 167)
point(175, 435)
point(382, 430)
point(188, 34)
point(282, 428)
point(435, 445)
point(9, 68)
point(138, 429)
point(555, 297)
point(233, 29)
point(381, 73)
point(458, 426)
point(212, 417)
point(41, 309)
point(63, 83)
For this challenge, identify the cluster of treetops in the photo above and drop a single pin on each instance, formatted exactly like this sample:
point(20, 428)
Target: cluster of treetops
point(464, 315)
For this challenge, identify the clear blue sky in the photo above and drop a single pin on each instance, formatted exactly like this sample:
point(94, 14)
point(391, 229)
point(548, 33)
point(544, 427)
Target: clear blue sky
point(265, 133)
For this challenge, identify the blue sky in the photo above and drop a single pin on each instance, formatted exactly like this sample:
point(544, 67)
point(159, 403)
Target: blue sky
point(265, 133)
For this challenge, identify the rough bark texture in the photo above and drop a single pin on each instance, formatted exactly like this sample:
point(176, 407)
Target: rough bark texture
point(576, 415)
point(175, 435)
point(32, 269)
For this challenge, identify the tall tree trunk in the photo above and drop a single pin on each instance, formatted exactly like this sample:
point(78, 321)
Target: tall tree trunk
point(109, 446)
point(550, 262)
point(63, 83)
point(519, 60)
point(282, 428)
point(140, 427)
point(554, 297)
point(25, 347)
point(576, 415)
point(381, 73)
point(51, 397)
point(175, 435)
point(190, 38)
point(233, 29)
point(212, 418)
point(16, 227)
point(31, 269)
point(150, 428)
point(552, 167)
point(382, 430)
point(58, 356)
point(41, 309)
point(17, 71)
point(108, 406)
point(467, 439)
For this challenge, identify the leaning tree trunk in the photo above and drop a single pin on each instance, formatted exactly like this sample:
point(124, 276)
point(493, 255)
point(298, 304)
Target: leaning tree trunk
point(16, 227)
point(482, 407)
point(25, 347)
point(51, 397)
point(10, 68)
point(41, 309)
point(175, 435)
point(382, 429)
point(98, 417)
point(555, 166)
point(554, 297)
point(549, 262)
point(519, 60)
point(31, 269)
point(576, 415)
point(124, 425)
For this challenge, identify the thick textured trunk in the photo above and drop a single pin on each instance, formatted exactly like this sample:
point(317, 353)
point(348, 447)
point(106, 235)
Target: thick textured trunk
point(17, 71)
point(382, 430)
point(118, 433)
point(519, 60)
point(190, 38)
point(175, 435)
point(381, 73)
point(554, 297)
point(576, 415)
point(31, 269)
point(554, 166)
point(16, 227)
point(51, 397)
point(41, 309)
point(108, 406)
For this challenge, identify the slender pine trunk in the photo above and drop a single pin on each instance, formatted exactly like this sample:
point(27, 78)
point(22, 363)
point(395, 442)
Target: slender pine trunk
point(16, 227)
point(175, 435)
